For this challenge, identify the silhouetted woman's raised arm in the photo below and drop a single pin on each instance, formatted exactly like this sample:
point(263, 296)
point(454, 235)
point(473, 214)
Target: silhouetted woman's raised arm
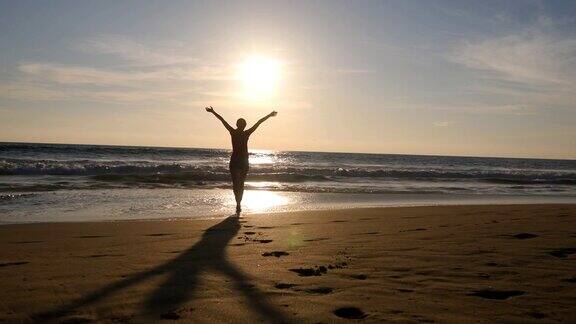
point(211, 110)
point(263, 119)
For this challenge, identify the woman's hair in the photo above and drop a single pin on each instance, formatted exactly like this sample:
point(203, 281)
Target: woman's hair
point(241, 123)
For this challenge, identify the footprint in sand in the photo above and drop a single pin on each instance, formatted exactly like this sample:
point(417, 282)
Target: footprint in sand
point(8, 264)
point(317, 239)
point(496, 294)
point(247, 238)
point(359, 276)
point(537, 315)
point(318, 270)
point(91, 236)
point(484, 275)
point(320, 290)
point(404, 290)
point(309, 272)
point(281, 285)
point(413, 230)
point(562, 253)
point(494, 264)
point(524, 236)
point(275, 253)
point(101, 256)
point(349, 313)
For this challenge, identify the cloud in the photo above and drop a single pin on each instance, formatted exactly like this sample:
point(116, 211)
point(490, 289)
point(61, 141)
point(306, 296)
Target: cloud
point(469, 108)
point(442, 124)
point(54, 82)
point(136, 52)
point(41, 92)
point(531, 68)
point(73, 75)
point(148, 73)
point(531, 58)
point(27, 91)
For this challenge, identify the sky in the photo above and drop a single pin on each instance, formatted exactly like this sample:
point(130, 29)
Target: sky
point(472, 78)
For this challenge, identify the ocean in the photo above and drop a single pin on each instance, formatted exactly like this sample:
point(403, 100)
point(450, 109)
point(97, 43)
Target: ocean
point(61, 182)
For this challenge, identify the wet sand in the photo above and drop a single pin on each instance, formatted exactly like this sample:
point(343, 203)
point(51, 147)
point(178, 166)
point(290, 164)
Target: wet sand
point(454, 264)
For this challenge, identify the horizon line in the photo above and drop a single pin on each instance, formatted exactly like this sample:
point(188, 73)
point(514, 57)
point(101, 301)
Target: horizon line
point(296, 151)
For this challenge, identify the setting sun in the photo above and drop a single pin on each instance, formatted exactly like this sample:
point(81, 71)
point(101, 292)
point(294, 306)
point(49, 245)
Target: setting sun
point(260, 76)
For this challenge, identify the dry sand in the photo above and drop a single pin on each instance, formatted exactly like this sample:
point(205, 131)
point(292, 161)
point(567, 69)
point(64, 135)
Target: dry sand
point(418, 264)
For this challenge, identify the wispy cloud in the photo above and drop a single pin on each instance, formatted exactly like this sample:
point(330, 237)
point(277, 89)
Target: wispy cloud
point(442, 123)
point(42, 92)
point(531, 58)
point(469, 108)
point(136, 52)
point(67, 74)
point(146, 73)
point(530, 68)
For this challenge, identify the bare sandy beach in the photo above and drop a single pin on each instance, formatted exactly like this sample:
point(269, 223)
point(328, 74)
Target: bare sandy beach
point(454, 264)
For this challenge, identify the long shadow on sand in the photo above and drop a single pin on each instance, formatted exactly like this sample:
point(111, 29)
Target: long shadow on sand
point(182, 278)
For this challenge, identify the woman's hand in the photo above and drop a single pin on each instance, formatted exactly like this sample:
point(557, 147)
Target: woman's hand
point(209, 109)
point(272, 114)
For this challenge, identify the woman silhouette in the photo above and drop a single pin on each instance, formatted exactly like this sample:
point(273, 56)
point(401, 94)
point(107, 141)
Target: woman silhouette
point(239, 160)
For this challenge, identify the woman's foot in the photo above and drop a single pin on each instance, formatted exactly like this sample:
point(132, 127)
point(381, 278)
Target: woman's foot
point(238, 209)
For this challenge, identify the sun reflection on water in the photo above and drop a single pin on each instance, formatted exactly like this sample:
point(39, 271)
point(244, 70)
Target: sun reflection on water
point(263, 157)
point(260, 200)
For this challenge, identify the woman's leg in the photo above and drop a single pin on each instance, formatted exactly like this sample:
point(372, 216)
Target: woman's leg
point(238, 178)
point(236, 185)
point(241, 179)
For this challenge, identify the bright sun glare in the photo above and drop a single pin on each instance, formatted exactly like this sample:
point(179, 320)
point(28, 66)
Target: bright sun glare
point(260, 76)
point(261, 200)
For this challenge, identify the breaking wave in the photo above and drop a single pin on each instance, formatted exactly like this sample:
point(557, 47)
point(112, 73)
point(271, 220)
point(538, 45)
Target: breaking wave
point(51, 167)
point(201, 174)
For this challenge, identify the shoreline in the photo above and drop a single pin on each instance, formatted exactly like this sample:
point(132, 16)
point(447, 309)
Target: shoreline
point(287, 213)
point(115, 205)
